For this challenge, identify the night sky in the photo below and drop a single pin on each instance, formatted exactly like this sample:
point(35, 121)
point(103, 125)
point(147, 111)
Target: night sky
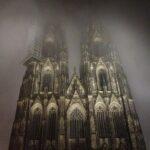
point(128, 23)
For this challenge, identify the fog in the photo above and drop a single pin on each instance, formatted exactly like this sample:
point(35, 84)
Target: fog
point(127, 22)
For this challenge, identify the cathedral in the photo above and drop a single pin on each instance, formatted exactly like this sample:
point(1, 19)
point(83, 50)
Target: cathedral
point(92, 110)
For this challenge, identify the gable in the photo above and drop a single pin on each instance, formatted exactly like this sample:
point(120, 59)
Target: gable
point(75, 85)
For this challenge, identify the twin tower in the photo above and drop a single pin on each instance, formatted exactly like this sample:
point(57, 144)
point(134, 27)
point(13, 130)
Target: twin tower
point(90, 111)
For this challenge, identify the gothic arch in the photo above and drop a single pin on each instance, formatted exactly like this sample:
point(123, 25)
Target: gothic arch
point(51, 122)
point(75, 84)
point(76, 127)
point(102, 120)
point(117, 118)
point(76, 106)
point(115, 107)
point(47, 76)
point(51, 106)
point(100, 107)
point(36, 105)
point(102, 76)
point(36, 123)
point(47, 66)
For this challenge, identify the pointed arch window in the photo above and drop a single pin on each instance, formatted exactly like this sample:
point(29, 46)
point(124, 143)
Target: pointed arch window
point(36, 126)
point(103, 123)
point(118, 122)
point(77, 125)
point(52, 124)
point(47, 81)
point(103, 81)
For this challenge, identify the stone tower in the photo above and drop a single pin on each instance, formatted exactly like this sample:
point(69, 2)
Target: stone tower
point(92, 111)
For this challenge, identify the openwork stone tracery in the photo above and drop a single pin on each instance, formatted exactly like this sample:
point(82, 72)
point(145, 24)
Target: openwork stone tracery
point(93, 110)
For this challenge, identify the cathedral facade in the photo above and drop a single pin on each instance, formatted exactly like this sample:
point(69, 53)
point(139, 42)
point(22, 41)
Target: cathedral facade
point(90, 111)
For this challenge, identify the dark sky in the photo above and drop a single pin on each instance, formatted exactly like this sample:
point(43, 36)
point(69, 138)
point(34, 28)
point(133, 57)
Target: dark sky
point(128, 23)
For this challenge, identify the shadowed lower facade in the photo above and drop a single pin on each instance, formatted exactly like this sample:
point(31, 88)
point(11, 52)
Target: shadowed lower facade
point(93, 110)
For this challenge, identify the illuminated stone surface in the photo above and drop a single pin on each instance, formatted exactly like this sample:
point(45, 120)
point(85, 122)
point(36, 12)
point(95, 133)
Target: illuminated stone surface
point(92, 111)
